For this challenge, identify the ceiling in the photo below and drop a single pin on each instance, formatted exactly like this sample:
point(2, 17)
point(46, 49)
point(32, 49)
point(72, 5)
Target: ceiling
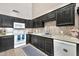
point(39, 9)
point(25, 9)
point(28, 10)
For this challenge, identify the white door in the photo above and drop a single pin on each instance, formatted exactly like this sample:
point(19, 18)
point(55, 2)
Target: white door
point(62, 48)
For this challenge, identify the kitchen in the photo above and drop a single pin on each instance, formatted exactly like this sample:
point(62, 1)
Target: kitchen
point(27, 31)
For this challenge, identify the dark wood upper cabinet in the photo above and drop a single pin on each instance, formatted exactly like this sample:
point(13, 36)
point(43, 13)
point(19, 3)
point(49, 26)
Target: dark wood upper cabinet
point(51, 16)
point(38, 23)
point(66, 15)
point(6, 21)
point(1, 20)
point(29, 24)
point(19, 20)
point(35, 24)
point(44, 18)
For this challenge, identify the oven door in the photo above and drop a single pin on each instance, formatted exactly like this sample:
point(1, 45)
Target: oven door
point(23, 37)
point(17, 39)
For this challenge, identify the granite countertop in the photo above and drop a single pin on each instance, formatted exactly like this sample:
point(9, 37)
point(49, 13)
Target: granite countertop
point(4, 35)
point(60, 37)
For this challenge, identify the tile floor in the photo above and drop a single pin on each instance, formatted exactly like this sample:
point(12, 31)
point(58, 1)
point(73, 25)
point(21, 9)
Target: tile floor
point(13, 52)
point(20, 52)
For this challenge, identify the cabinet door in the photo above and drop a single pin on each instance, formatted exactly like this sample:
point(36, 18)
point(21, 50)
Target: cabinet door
point(28, 38)
point(38, 42)
point(20, 20)
point(51, 16)
point(49, 46)
point(38, 23)
point(34, 40)
point(35, 24)
point(59, 16)
point(11, 42)
point(29, 24)
point(7, 42)
point(6, 21)
point(4, 44)
point(41, 43)
point(77, 49)
point(44, 18)
point(12, 20)
point(0, 20)
point(65, 15)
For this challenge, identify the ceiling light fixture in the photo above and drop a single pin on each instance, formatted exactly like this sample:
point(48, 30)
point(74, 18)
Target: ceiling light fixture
point(15, 11)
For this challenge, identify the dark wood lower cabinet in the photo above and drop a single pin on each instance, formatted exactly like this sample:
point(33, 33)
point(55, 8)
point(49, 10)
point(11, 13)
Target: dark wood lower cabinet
point(43, 43)
point(77, 49)
point(46, 44)
point(49, 46)
point(34, 40)
point(6, 43)
point(28, 38)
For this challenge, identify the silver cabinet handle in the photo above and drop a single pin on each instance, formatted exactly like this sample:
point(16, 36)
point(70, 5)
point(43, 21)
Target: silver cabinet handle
point(65, 50)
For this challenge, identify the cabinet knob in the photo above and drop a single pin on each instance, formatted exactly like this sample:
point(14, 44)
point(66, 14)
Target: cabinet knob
point(65, 50)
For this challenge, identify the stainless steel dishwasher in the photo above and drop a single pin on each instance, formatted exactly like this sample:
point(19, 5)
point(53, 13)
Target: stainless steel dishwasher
point(62, 48)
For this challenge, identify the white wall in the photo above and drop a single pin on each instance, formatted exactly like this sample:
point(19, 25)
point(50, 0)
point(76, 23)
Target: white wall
point(25, 9)
point(39, 9)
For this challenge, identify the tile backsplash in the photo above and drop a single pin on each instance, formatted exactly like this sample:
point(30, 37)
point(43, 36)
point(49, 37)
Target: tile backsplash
point(52, 28)
point(34, 30)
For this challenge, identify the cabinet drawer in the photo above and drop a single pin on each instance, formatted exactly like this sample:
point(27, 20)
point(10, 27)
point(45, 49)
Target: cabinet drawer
point(64, 48)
